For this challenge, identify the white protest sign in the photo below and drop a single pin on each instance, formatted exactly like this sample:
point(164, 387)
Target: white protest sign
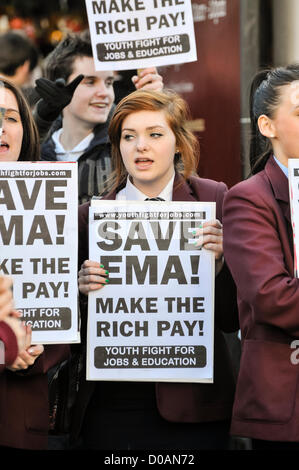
point(293, 166)
point(154, 320)
point(38, 239)
point(132, 34)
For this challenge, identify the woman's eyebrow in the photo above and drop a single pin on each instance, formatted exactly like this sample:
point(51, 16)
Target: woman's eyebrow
point(157, 126)
point(9, 109)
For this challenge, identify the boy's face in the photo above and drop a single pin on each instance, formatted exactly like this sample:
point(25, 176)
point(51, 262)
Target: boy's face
point(93, 97)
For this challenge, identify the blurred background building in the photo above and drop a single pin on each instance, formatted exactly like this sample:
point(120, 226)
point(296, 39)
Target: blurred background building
point(44, 22)
point(234, 39)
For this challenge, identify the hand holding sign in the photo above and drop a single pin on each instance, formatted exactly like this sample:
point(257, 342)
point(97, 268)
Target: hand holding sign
point(28, 355)
point(148, 79)
point(92, 276)
point(210, 237)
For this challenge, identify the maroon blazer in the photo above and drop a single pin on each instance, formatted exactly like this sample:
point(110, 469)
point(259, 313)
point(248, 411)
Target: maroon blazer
point(24, 414)
point(184, 402)
point(258, 247)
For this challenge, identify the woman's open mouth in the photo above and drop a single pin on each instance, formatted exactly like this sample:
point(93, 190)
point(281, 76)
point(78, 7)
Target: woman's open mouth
point(143, 163)
point(3, 147)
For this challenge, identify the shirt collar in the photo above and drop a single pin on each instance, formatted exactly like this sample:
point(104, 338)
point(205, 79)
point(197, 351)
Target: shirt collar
point(131, 193)
point(80, 147)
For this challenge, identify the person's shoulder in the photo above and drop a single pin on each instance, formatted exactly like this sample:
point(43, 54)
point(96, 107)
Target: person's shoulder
point(256, 191)
point(254, 183)
point(206, 182)
point(207, 189)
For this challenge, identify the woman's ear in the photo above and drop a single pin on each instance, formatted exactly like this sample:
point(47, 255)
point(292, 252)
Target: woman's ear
point(266, 126)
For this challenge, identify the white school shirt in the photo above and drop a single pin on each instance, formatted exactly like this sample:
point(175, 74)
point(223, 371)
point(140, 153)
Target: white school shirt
point(73, 155)
point(131, 193)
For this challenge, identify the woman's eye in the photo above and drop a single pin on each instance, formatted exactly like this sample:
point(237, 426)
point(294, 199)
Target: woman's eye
point(156, 134)
point(127, 137)
point(10, 119)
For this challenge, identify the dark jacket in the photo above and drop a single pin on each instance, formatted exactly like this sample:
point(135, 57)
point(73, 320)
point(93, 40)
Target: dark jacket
point(183, 402)
point(24, 414)
point(94, 165)
point(258, 231)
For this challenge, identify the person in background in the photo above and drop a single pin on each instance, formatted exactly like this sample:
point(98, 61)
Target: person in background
point(18, 57)
point(85, 97)
point(154, 155)
point(24, 414)
point(19, 62)
point(258, 248)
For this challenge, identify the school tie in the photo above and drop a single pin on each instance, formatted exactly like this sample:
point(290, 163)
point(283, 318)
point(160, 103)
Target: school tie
point(154, 199)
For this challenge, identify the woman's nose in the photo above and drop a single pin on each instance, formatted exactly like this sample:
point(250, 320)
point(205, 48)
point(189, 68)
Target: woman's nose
point(142, 144)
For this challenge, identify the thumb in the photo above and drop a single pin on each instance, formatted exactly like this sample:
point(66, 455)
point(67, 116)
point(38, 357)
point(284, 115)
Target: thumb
point(36, 350)
point(73, 85)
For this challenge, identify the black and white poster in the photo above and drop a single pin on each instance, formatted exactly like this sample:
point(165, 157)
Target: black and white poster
point(154, 319)
point(293, 169)
point(38, 240)
point(132, 34)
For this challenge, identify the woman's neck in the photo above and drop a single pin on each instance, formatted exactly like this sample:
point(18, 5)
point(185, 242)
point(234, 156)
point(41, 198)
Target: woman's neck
point(152, 188)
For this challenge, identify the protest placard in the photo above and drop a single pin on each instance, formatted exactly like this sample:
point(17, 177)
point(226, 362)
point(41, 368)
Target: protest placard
point(293, 169)
point(132, 34)
point(154, 320)
point(38, 239)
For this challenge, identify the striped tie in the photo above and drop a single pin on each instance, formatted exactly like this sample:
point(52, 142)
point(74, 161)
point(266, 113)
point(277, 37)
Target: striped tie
point(154, 199)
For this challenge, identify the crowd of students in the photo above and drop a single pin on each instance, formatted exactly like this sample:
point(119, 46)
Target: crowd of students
point(141, 148)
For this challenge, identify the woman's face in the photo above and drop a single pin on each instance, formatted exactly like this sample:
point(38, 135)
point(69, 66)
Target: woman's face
point(12, 127)
point(285, 124)
point(147, 146)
